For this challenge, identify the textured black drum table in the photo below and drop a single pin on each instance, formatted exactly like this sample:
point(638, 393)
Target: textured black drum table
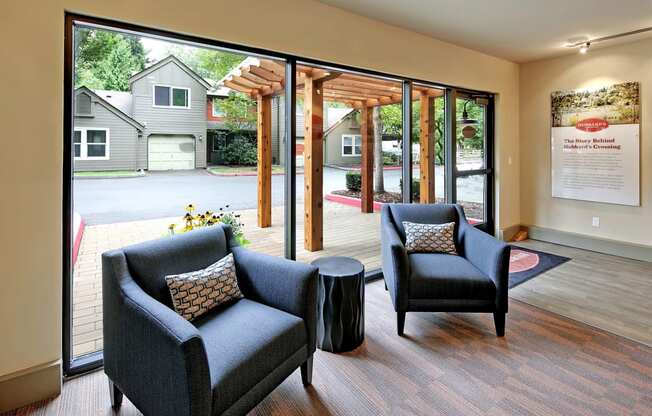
point(340, 325)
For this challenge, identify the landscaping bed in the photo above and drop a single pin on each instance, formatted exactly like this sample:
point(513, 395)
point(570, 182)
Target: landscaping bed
point(471, 209)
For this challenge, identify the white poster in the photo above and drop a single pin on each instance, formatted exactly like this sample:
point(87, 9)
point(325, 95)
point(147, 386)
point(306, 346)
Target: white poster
point(595, 144)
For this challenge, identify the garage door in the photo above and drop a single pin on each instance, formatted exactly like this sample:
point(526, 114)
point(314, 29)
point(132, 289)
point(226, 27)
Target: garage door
point(171, 152)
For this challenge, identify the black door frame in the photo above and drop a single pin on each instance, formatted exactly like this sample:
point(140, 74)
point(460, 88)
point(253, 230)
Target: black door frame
point(73, 366)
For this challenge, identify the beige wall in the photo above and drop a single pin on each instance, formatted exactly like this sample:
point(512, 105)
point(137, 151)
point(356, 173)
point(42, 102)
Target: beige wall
point(629, 62)
point(32, 75)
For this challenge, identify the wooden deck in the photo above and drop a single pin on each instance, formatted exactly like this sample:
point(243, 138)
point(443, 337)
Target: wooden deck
point(346, 232)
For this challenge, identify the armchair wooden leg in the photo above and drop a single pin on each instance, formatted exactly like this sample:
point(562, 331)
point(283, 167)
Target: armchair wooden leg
point(400, 322)
point(116, 395)
point(499, 321)
point(306, 372)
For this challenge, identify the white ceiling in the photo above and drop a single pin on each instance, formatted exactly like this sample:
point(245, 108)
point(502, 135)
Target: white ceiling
point(517, 30)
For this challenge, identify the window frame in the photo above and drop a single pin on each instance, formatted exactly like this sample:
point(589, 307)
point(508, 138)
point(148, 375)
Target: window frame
point(354, 138)
point(171, 96)
point(83, 145)
point(213, 113)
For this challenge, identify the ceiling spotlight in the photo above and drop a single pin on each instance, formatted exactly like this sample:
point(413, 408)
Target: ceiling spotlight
point(585, 47)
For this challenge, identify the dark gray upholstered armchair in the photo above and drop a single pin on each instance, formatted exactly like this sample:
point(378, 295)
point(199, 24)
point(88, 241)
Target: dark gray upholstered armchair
point(222, 363)
point(474, 281)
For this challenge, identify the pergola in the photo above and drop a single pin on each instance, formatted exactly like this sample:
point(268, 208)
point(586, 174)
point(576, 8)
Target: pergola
point(263, 79)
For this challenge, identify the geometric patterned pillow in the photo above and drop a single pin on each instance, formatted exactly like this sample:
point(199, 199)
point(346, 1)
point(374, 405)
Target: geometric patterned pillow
point(430, 238)
point(195, 293)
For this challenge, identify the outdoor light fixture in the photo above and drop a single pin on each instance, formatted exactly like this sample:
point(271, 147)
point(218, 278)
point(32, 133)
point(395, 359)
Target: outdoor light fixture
point(465, 120)
point(585, 47)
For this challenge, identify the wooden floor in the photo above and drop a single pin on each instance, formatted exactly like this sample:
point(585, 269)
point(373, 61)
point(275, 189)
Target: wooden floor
point(448, 364)
point(608, 292)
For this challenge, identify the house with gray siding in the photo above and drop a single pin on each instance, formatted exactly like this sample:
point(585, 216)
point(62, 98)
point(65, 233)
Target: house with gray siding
point(167, 101)
point(342, 141)
point(105, 136)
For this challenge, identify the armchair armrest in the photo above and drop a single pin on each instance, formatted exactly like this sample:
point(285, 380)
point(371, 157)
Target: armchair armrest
point(151, 353)
point(396, 266)
point(280, 283)
point(491, 256)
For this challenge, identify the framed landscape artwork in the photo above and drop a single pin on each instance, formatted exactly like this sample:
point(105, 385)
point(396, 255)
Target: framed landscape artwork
point(596, 143)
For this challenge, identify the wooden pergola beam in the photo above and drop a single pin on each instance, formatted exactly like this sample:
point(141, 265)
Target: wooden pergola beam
point(367, 159)
point(427, 149)
point(264, 148)
point(313, 156)
point(264, 73)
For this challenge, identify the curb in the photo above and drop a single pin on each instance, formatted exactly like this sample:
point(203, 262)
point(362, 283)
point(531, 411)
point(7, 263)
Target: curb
point(357, 168)
point(246, 174)
point(140, 175)
point(353, 202)
point(77, 234)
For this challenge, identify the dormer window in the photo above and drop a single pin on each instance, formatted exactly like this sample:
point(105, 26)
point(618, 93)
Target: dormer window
point(174, 97)
point(83, 105)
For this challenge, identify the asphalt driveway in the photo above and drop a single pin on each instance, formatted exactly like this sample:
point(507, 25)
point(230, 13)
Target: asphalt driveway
point(165, 194)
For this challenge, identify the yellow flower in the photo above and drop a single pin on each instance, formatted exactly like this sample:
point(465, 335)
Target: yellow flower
point(190, 207)
point(171, 226)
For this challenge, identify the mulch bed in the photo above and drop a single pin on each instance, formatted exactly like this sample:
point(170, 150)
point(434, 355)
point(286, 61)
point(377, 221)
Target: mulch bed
point(471, 209)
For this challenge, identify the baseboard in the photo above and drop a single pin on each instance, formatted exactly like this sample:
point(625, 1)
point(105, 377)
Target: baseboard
point(30, 385)
point(508, 233)
point(600, 245)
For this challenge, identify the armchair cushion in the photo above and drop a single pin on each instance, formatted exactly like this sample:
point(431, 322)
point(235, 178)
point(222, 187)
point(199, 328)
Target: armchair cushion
point(151, 261)
point(245, 341)
point(442, 276)
point(423, 214)
point(195, 293)
point(430, 238)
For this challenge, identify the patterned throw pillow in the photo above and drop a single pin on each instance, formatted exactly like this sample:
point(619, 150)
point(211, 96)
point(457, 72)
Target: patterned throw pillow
point(430, 238)
point(195, 293)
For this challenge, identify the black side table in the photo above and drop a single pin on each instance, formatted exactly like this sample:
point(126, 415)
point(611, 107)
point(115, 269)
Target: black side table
point(340, 325)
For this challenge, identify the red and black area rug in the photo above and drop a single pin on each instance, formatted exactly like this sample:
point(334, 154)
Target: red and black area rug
point(524, 264)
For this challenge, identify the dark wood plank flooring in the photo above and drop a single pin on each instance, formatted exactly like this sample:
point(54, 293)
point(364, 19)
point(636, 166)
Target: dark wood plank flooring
point(447, 364)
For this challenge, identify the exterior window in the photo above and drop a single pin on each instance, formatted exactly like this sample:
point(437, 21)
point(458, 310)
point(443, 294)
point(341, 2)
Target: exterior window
point(77, 143)
point(166, 96)
point(162, 96)
point(351, 145)
point(91, 144)
point(218, 111)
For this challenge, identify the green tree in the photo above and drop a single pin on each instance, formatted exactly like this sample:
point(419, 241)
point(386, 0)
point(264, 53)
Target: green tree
point(106, 60)
point(239, 112)
point(207, 63)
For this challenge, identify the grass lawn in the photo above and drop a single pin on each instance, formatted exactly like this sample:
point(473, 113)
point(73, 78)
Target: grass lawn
point(239, 170)
point(107, 174)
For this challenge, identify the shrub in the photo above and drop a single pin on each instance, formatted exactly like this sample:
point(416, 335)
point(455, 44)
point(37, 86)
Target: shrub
point(353, 181)
point(416, 190)
point(240, 151)
point(391, 159)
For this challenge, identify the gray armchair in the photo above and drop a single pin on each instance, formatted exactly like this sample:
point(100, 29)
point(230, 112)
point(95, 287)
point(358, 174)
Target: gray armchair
point(222, 363)
point(474, 281)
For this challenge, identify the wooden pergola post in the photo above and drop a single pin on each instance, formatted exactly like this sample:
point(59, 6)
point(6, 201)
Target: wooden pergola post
point(367, 159)
point(264, 132)
point(427, 149)
point(313, 155)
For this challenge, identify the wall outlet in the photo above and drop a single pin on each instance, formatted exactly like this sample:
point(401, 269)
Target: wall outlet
point(596, 222)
